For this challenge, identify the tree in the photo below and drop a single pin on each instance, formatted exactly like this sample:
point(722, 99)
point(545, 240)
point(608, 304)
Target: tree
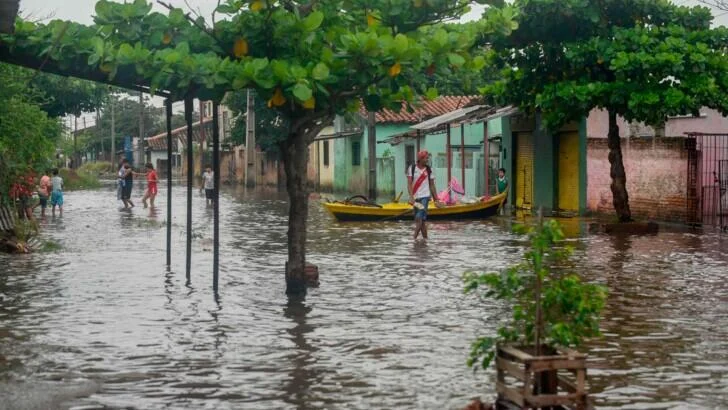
point(309, 60)
point(270, 127)
point(643, 60)
point(67, 96)
point(27, 134)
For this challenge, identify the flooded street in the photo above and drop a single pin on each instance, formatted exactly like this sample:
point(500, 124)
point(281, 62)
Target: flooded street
point(101, 323)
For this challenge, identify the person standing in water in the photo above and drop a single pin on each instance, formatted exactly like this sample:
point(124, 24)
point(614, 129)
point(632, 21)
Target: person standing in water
point(44, 192)
point(421, 187)
point(152, 189)
point(127, 175)
point(56, 193)
point(208, 183)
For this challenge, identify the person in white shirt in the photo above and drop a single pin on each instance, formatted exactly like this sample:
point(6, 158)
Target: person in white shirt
point(421, 187)
point(208, 183)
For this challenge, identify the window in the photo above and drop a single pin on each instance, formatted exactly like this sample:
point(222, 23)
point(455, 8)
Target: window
point(409, 155)
point(326, 153)
point(356, 153)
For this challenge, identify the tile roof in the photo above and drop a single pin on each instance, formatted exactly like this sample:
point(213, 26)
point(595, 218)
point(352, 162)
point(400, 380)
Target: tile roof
point(425, 110)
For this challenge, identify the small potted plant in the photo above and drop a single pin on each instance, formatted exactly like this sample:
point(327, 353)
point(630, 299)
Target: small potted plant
point(553, 311)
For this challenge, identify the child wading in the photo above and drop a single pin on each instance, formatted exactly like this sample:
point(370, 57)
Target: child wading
point(152, 190)
point(421, 187)
point(56, 193)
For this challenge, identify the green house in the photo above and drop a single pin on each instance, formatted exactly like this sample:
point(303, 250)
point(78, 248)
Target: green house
point(545, 169)
point(397, 146)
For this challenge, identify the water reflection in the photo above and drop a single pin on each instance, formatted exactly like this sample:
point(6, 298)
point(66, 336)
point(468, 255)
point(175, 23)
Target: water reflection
point(102, 324)
point(304, 373)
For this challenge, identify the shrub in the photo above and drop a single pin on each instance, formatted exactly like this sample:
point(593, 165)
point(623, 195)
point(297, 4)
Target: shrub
point(550, 304)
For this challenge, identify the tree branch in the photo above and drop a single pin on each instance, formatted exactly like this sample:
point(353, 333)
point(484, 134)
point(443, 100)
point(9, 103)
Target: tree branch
point(718, 4)
point(194, 22)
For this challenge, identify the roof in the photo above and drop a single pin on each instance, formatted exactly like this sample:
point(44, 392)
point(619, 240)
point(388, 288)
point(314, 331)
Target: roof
point(425, 110)
point(456, 116)
point(159, 141)
point(502, 112)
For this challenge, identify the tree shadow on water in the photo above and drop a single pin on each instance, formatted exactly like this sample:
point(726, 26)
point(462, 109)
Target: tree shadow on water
point(303, 375)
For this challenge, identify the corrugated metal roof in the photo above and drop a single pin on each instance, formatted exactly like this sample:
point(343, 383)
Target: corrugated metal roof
point(423, 111)
point(455, 116)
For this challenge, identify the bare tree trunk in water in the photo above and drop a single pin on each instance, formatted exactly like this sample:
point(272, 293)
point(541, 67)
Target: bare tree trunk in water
point(620, 199)
point(295, 162)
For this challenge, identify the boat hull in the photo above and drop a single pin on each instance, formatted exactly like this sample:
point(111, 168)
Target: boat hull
point(405, 212)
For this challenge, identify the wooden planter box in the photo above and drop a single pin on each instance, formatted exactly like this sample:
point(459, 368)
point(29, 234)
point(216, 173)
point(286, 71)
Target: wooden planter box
point(562, 375)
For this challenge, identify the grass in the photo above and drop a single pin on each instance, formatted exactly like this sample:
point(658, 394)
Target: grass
point(96, 168)
point(73, 180)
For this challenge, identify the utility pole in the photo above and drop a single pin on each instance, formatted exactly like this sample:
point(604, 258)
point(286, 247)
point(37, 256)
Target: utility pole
point(85, 153)
point(141, 130)
point(372, 148)
point(250, 141)
point(202, 136)
point(75, 148)
point(113, 134)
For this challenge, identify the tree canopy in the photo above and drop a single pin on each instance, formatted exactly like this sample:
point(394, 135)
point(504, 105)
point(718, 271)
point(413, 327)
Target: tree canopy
point(643, 59)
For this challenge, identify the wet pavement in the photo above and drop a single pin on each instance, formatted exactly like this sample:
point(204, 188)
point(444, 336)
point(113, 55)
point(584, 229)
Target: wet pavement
point(101, 323)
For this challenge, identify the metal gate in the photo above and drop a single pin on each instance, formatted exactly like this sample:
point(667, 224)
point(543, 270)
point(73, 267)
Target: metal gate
point(707, 184)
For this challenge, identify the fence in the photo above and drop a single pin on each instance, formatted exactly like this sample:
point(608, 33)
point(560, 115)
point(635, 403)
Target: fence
point(709, 186)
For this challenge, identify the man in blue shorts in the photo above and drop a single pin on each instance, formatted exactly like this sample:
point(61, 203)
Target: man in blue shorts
point(421, 187)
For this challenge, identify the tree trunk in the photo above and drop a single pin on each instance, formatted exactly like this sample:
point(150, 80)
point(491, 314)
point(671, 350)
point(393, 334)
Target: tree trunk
point(295, 163)
point(8, 12)
point(620, 199)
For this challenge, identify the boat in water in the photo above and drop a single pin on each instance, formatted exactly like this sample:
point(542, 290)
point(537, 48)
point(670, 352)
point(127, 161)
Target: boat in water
point(358, 208)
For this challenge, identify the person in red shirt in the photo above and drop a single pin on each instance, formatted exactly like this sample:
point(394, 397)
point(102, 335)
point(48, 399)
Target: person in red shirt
point(22, 192)
point(152, 189)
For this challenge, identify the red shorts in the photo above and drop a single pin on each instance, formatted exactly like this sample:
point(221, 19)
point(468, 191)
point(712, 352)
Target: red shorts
point(152, 189)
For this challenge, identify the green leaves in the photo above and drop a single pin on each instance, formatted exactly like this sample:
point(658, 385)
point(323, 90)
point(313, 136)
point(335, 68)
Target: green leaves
point(313, 21)
point(302, 92)
point(570, 308)
point(321, 72)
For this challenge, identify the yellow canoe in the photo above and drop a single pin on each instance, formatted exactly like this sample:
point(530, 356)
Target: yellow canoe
point(400, 211)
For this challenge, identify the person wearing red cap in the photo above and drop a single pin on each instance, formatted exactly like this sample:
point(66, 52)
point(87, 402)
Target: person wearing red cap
point(421, 187)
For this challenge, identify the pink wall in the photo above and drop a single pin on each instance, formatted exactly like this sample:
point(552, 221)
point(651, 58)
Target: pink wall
point(656, 178)
point(713, 122)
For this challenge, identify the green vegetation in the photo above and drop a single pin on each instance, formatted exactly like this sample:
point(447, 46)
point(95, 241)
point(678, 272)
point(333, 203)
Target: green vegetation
point(643, 60)
point(549, 303)
point(27, 133)
point(74, 180)
point(95, 168)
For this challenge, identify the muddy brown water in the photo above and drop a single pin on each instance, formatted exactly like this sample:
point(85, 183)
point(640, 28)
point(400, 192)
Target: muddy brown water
point(101, 323)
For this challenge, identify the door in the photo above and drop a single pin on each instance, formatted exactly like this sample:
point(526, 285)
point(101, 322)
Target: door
point(568, 171)
point(524, 170)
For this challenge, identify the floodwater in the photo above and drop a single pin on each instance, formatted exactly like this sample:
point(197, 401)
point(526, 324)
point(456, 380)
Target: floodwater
point(101, 323)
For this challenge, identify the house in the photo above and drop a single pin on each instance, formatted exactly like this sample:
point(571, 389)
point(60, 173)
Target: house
point(395, 148)
point(546, 170)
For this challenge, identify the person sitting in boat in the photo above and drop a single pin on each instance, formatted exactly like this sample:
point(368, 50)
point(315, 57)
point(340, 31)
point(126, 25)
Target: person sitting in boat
point(421, 187)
